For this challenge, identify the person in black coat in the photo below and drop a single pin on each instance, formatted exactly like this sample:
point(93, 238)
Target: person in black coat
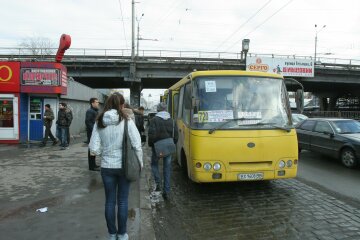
point(48, 119)
point(139, 122)
point(90, 119)
point(162, 127)
point(63, 123)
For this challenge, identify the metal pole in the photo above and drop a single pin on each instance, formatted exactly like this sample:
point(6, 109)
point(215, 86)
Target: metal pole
point(133, 30)
point(138, 36)
point(315, 48)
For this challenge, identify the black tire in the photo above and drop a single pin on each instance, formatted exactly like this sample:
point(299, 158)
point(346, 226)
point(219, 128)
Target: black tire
point(348, 158)
point(184, 164)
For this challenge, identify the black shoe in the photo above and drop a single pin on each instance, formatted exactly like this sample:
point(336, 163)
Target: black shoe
point(157, 189)
point(95, 169)
point(42, 145)
point(165, 196)
point(55, 142)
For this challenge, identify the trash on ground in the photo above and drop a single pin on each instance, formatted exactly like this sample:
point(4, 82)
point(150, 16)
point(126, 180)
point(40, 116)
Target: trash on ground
point(44, 209)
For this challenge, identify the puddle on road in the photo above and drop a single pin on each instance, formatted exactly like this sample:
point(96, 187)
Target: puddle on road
point(155, 198)
point(132, 214)
point(28, 145)
point(52, 156)
point(49, 202)
point(94, 184)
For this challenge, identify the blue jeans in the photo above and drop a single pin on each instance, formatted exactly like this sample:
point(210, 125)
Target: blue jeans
point(116, 192)
point(63, 136)
point(166, 170)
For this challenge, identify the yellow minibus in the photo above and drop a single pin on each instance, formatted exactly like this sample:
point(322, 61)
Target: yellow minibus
point(233, 126)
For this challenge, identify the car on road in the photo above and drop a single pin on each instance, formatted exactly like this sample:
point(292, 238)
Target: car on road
point(334, 137)
point(297, 117)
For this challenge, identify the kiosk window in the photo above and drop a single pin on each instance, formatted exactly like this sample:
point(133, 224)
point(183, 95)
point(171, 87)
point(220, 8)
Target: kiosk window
point(6, 113)
point(35, 109)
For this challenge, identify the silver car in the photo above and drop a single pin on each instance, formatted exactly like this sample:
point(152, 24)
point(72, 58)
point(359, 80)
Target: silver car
point(297, 117)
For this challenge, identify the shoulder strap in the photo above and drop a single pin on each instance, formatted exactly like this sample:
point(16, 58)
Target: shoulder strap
point(173, 128)
point(125, 130)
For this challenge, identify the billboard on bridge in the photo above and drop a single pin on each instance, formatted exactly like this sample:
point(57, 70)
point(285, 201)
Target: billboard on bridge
point(288, 67)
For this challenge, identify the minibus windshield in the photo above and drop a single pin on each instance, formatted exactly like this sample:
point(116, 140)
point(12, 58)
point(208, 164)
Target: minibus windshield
point(249, 102)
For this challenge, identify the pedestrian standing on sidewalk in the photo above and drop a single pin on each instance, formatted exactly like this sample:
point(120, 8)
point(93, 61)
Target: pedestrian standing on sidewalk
point(139, 119)
point(161, 127)
point(107, 141)
point(48, 119)
point(63, 122)
point(129, 111)
point(69, 112)
point(90, 118)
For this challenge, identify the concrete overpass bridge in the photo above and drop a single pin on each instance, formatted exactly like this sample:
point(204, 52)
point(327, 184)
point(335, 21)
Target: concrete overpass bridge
point(114, 68)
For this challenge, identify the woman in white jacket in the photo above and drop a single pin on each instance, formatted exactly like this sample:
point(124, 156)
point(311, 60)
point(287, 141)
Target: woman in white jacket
point(106, 140)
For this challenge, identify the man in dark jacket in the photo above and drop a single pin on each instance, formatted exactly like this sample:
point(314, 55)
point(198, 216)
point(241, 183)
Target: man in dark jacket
point(139, 122)
point(90, 119)
point(161, 127)
point(63, 122)
point(48, 119)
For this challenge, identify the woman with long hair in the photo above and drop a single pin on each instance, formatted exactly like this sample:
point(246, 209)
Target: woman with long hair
point(107, 141)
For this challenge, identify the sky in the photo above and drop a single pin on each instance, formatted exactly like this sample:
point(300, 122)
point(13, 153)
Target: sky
point(273, 26)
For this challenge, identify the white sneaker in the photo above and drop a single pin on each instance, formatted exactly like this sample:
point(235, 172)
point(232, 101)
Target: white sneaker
point(112, 237)
point(123, 237)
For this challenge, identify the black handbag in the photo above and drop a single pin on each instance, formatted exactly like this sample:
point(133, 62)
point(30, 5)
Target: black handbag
point(131, 164)
point(166, 146)
point(143, 138)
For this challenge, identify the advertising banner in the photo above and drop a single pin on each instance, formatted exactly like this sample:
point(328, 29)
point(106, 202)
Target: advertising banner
point(43, 77)
point(288, 67)
point(9, 77)
point(40, 76)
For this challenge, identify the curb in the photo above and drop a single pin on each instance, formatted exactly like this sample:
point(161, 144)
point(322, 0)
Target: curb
point(146, 223)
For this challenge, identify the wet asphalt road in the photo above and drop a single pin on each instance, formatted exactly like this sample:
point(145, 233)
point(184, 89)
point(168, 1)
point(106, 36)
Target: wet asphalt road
point(330, 174)
point(302, 208)
point(33, 178)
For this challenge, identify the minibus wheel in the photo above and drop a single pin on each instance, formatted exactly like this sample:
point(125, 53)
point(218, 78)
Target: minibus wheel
point(184, 163)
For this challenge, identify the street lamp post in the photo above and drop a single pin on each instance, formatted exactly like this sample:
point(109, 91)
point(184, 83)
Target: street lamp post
point(132, 30)
point(316, 33)
point(140, 38)
point(245, 48)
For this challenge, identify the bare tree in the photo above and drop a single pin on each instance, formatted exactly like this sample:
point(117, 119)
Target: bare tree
point(37, 46)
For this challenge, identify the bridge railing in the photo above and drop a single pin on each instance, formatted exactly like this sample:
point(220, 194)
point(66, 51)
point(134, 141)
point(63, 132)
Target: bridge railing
point(334, 114)
point(41, 54)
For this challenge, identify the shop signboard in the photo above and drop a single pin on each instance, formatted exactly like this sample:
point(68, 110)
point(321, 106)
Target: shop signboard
point(43, 77)
point(288, 67)
point(9, 77)
point(40, 76)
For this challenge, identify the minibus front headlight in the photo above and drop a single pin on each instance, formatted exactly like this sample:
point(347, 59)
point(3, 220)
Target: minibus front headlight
point(281, 164)
point(207, 166)
point(289, 163)
point(217, 166)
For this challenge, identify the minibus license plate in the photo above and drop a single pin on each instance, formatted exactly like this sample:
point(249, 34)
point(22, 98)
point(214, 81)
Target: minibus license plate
point(250, 176)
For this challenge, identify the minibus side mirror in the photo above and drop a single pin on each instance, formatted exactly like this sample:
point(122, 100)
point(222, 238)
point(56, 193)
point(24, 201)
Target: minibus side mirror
point(299, 99)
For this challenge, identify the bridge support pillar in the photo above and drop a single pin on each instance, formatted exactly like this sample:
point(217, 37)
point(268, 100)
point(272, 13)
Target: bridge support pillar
point(135, 94)
point(323, 104)
point(332, 103)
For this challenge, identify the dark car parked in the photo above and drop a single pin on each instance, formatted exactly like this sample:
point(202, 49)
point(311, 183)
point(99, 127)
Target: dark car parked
point(338, 138)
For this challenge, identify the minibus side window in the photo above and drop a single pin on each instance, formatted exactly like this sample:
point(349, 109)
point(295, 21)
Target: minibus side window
point(169, 107)
point(187, 104)
point(181, 99)
point(176, 105)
